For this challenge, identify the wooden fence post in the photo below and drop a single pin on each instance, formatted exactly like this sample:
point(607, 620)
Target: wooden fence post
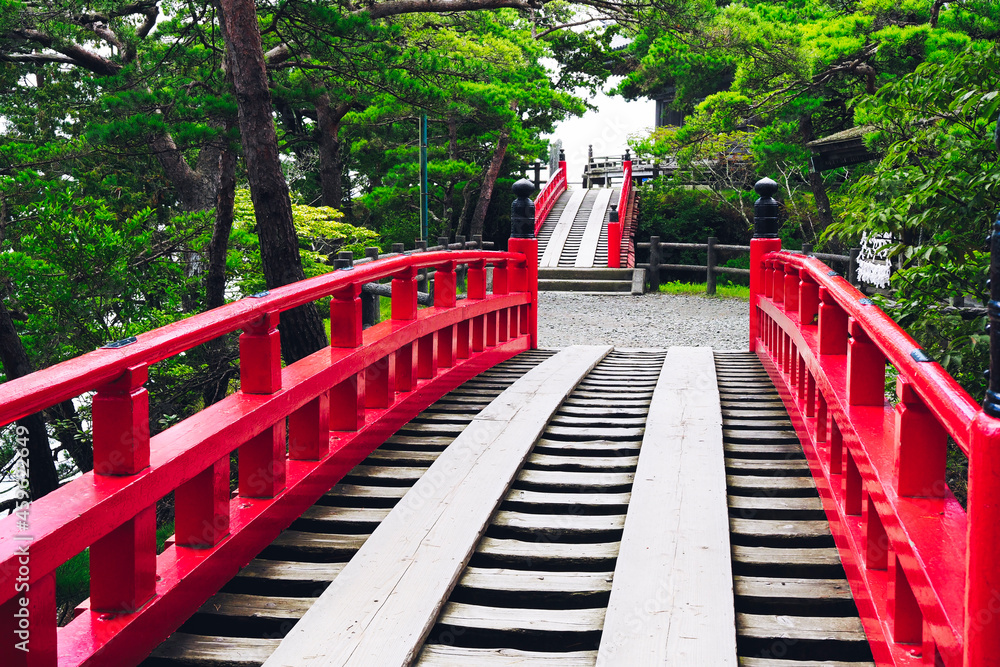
point(654, 264)
point(710, 268)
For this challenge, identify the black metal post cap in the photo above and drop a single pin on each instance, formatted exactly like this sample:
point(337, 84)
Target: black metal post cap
point(765, 210)
point(522, 211)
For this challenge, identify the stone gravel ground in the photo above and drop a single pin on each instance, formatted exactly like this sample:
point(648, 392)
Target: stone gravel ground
point(650, 320)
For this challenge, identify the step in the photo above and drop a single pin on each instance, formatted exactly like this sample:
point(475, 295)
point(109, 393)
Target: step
point(615, 286)
point(584, 274)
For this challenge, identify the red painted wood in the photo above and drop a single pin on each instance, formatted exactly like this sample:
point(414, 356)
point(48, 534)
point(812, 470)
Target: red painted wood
point(427, 356)
point(808, 300)
point(121, 424)
point(260, 356)
point(881, 476)
point(309, 430)
point(113, 513)
point(123, 565)
point(28, 620)
point(380, 384)
point(476, 279)
point(201, 507)
point(444, 285)
point(791, 289)
point(404, 295)
point(546, 199)
point(406, 369)
point(500, 282)
point(760, 281)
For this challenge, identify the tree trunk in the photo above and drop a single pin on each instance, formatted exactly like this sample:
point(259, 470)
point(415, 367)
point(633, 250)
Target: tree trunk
point(816, 183)
point(42, 476)
point(490, 179)
point(301, 329)
point(216, 357)
point(331, 160)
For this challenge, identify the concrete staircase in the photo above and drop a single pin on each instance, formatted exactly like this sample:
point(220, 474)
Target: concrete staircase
point(615, 281)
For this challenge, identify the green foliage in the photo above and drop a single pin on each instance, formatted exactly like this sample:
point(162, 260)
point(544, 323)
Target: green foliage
point(698, 289)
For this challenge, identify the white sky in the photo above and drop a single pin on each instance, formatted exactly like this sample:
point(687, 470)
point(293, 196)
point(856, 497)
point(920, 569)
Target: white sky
point(607, 129)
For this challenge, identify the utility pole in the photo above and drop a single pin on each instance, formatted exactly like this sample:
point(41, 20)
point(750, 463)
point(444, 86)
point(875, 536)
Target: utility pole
point(423, 177)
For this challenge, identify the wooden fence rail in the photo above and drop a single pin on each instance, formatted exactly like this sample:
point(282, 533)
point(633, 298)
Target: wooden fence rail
point(711, 268)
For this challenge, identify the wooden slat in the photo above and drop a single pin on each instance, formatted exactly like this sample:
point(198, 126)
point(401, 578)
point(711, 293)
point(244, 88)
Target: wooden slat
point(283, 570)
point(807, 589)
point(346, 514)
point(672, 598)
point(598, 421)
point(319, 543)
point(197, 650)
point(574, 480)
point(401, 457)
point(779, 529)
point(792, 449)
point(767, 626)
point(570, 523)
point(597, 463)
point(742, 435)
point(822, 556)
point(800, 466)
point(595, 433)
point(543, 498)
point(512, 619)
point(750, 503)
point(256, 606)
point(772, 483)
point(385, 600)
point(499, 579)
point(539, 553)
point(401, 473)
point(367, 491)
point(775, 662)
point(438, 655)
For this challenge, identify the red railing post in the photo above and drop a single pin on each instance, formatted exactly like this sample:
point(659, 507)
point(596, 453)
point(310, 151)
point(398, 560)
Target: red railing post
point(123, 563)
point(28, 622)
point(444, 297)
point(262, 458)
point(477, 290)
point(832, 325)
point(765, 239)
point(404, 307)
point(347, 398)
point(808, 300)
point(921, 446)
point(982, 587)
point(791, 291)
point(865, 368)
point(529, 313)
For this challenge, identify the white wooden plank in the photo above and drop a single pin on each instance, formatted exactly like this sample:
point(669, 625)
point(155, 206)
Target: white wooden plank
point(672, 597)
point(554, 248)
point(380, 608)
point(592, 233)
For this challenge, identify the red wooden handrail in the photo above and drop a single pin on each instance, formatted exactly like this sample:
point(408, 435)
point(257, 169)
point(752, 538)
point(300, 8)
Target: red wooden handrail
point(340, 403)
point(880, 467)
point(615, 228)
point(547, 198)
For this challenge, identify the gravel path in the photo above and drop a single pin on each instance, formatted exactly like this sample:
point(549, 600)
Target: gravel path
point(650, 320)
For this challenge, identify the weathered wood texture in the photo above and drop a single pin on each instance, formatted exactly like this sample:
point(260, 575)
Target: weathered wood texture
point(381, 606)
point(672, 598)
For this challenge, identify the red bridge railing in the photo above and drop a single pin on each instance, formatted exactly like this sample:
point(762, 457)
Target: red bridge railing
point(547, 198)
point(331, 408)
point(925, 573)
point(616, 225)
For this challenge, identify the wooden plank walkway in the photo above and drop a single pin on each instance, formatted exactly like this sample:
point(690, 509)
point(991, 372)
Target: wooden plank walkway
point(672, 598)
point(382, 604)
point(592, 234)
point(553, 249)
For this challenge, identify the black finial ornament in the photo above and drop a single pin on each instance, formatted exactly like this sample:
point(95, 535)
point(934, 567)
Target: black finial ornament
point(562, 155)
point(991, 405)
point(765, 210)
point(522, 211)
point(613, 216)
point(628, 155)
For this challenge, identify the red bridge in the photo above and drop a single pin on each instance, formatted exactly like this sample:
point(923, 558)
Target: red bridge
point(434, 490)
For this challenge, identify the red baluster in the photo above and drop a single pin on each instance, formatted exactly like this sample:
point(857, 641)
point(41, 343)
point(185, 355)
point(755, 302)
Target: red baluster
point(904, 612)
point(262, 458)
point(462, 333)
point(500, 283)
point(309, 430)
point(404, 295)
point(921, 446)
point(852, 485)
point(491, 328)
point(479, 333)
point(380, 383)
point(201, 507)
point(832, 325)
point(865, 368)
point(426, 356)
point(778, 282)
point(347, 398)
point(791, 291)
point(836, 449)
point(406, 368)
point(808, 300)
point(123, 563)
point(876, 539)
point(810, 393)
point(477, 279)
point(822, 416)
point(28, 623)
